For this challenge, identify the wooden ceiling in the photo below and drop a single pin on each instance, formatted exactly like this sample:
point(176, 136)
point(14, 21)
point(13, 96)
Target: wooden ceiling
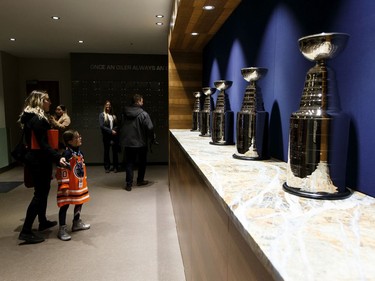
point(188, 16)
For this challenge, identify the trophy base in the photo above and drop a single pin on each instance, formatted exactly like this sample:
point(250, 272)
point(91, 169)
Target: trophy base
point(317, 195)
point(204, 135)
point(243, 157)
point(192, 130)
point(221, 143)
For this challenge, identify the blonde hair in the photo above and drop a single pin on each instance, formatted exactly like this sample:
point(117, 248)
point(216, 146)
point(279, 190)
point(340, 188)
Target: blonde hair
point(34, 104)
point(105, 105)
point(110, 112)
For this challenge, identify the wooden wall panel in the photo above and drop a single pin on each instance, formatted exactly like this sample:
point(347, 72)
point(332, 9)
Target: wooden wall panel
point(209, 234)
point(180, 190)
point(243, 264)
point(185, 78)
point(212, 244)
point(190, 17)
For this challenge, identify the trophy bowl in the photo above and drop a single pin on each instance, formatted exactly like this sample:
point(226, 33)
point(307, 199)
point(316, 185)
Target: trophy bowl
point(208, 90)
point(197, 94)
point(222, 85)
point(322, 46)
point(253, 73)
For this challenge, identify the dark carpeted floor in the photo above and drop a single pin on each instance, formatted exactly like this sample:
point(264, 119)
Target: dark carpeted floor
point(8, 186)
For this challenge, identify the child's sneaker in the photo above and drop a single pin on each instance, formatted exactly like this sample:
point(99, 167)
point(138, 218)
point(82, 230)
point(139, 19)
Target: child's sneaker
point(63, 233)
point(80, 225)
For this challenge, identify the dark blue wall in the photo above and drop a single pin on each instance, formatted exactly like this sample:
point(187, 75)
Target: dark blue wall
point(265, 34)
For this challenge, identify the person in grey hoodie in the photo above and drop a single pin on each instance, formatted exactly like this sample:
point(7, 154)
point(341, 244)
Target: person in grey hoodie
point(138, 131)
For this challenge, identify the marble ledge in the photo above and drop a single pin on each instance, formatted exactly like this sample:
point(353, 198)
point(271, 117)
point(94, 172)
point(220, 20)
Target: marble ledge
point(295, 237)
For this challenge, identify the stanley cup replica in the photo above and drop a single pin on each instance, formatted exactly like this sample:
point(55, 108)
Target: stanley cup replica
point(252, 120)
point(318, 134)
point(222, 116)
point(196, 112)
point(205, 114)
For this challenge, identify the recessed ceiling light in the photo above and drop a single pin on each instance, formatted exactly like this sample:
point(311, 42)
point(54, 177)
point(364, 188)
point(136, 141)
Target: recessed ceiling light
point(12, 39)
point(159, 16)
point(208, 7)
point(194, 33)
point(55, 17)
point(159, 23)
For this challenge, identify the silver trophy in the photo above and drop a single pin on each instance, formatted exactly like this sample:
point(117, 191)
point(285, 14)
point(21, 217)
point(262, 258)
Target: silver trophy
point(196, 112)
point(246, 125)
point(319, 130)
point(205, 114)
point(222, 116)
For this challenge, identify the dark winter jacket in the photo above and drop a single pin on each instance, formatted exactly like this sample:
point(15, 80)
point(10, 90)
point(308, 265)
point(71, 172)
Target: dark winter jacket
point(137, 129)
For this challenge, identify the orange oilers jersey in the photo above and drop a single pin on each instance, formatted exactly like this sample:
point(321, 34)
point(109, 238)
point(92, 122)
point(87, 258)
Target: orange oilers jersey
point(73, 179)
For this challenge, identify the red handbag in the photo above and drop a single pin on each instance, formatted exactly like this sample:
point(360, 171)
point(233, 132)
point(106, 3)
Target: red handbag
point(53, 139)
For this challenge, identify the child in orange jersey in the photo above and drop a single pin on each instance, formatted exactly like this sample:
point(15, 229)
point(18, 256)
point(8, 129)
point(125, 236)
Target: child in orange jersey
point(72, 185)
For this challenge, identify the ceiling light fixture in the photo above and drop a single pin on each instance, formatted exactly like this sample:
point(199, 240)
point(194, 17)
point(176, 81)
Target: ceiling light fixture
point(55, 17)
point(12, 39)
point(159, 23)
point(208, 7)
point(159, 16)
point(194, 33)
point(80, 41)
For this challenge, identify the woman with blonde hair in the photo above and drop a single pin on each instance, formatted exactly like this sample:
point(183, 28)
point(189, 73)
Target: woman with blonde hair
point(34, 121)
point(109, 127)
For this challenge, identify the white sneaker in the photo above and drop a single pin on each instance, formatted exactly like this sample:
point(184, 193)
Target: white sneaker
point(80, 225)
point(63, 233)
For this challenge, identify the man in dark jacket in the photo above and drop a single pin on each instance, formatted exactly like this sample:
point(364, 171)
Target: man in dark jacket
point(138, 131)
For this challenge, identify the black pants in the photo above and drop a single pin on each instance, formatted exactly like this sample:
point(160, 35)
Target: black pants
point(64, 209)
point(41, 177)
point(131, 155)
point(108, 144)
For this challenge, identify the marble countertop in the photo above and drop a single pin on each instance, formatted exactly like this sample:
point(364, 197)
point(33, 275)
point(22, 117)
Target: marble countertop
point(296, 238)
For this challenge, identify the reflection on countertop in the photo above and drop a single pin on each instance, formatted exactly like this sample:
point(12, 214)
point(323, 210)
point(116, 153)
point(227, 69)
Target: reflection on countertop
point(302, 239)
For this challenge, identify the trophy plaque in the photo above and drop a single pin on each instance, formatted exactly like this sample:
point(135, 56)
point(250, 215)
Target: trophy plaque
point(196, 112)
point(222, 116)
point(318, 133)
point(252, 120)
point(205, 114)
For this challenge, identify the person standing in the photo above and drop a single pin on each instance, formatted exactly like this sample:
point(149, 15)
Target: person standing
point(34, 121)
point(72, 185)
point(109, 127)
point(137, 131)
point(60, 121)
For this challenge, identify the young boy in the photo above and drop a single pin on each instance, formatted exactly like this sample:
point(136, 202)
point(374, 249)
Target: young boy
point(72, 185)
